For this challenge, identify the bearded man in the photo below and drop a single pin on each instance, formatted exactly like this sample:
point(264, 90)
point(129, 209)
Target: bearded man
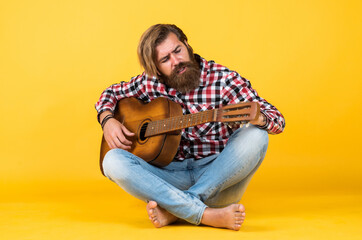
point(214, 162)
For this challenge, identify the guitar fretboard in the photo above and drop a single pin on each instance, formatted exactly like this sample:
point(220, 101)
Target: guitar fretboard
point(179, 122)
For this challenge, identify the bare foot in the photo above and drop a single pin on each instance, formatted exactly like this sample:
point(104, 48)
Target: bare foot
point(159, 216)
point(229, 217)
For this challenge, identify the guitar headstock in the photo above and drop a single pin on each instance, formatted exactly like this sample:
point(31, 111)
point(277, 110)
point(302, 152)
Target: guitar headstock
point(240, 112)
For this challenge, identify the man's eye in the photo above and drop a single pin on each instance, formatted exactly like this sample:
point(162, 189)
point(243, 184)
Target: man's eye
point(178, 50)
point(164, 60)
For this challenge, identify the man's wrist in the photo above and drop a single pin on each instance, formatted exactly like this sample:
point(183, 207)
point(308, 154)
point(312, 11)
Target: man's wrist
point(106, 118)
point(103, 114)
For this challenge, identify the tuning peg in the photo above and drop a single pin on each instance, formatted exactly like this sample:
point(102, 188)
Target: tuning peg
point(247, 125)
point(241, 125)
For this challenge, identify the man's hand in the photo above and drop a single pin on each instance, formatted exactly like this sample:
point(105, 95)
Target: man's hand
point(115, 134)
point(261, 121)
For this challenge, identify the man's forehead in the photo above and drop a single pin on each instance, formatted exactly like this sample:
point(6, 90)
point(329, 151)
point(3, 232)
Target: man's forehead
point(168, 45)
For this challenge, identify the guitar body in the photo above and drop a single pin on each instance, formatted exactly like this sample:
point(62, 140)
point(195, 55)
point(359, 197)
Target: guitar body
point(157, 150)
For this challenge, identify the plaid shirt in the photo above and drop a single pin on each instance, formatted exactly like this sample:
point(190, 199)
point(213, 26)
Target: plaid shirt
point(218, 87)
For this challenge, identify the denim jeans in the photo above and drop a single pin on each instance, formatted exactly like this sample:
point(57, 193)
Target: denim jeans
point(186, 188)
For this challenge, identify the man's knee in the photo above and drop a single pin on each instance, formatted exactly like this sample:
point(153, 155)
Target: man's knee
point(259, 136)
point(252, 135)
point(114, 163)
point(250, 139)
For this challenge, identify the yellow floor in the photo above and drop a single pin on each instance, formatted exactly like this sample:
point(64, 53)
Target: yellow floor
point(106, 212)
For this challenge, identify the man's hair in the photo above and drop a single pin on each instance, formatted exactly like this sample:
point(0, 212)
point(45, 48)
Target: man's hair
point(150, 39)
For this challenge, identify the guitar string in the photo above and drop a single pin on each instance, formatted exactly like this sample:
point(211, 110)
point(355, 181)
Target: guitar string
point(158, 123)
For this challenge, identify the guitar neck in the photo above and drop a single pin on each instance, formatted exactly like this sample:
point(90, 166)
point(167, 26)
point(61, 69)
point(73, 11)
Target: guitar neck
point(180, 122)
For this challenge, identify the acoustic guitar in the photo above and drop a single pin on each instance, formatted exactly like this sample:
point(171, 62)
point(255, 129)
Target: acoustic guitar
point(157, 125)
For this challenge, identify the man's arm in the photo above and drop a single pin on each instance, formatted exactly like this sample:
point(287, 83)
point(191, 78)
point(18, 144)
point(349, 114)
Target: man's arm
point(261, 121)
point(111, 95)
point(114, 132)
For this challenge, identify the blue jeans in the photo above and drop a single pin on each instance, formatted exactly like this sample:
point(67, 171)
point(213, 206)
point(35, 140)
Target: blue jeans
point(186, 188)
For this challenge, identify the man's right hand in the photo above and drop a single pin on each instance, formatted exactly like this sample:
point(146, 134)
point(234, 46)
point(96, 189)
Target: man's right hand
point(115, 134)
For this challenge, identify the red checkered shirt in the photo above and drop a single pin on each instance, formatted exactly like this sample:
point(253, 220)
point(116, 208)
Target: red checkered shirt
point(218, 87)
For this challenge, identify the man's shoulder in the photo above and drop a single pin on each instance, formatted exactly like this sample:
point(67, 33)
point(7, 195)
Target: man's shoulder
point(215, 73)
point(143, 78)
point(211, 66)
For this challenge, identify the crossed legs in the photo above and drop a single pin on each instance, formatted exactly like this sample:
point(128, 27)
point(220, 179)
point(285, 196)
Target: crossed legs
point(206, 194)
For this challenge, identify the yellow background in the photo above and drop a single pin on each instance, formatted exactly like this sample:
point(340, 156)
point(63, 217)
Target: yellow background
point(56, 57)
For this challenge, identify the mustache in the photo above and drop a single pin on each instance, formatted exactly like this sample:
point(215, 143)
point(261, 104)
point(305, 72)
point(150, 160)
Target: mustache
point(181, 65)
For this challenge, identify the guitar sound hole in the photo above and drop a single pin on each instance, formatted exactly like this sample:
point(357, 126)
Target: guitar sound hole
point(143, 132)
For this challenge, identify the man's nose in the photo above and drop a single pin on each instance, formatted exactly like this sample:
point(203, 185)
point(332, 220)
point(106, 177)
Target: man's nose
point(175, 61)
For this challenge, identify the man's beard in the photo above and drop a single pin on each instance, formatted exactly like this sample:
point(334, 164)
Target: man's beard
point(186, 81)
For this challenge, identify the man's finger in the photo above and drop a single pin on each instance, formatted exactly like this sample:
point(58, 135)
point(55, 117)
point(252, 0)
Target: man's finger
point(126, 131)
point(111, 144)
point(123, 142)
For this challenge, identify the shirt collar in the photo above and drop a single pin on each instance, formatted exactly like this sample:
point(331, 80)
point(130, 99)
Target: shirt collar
point(204, 69)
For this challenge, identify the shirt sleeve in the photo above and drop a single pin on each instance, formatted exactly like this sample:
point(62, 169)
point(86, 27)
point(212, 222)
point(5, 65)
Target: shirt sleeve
point(238, 89)
point(111, 95)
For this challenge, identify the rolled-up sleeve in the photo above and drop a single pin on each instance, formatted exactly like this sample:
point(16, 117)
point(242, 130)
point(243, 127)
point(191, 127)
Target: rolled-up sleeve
point(111, 95)
point(238, 89)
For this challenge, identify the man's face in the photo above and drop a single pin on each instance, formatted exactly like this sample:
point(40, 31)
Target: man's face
point(170, 53)
point(176, 67)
